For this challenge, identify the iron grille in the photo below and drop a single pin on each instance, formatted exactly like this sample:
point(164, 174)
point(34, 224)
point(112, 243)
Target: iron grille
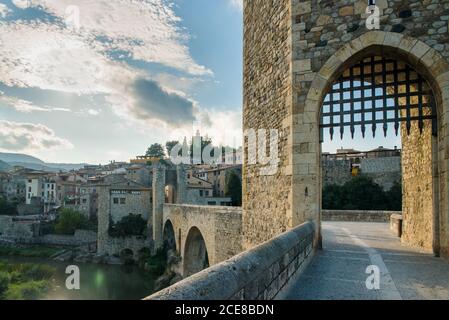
point(377, 91)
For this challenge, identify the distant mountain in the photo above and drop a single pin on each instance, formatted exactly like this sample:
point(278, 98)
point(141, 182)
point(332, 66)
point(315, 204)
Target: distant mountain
point(4, 166)
point(30, 162)
point(19, 157)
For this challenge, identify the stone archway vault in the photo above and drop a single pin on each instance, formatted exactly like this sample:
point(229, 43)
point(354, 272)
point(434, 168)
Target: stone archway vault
point(305, 126)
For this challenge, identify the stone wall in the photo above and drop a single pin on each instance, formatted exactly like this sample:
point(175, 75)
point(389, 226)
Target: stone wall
point(417, 187)
point(220, 227)
point(115, 246)
point(81, 237)
point(110, 245)
point(357, 215)
point(384, 171)
point(14, 230)
point(267, 209)
point(136, 202)
point(336, 172)
point(262, 273)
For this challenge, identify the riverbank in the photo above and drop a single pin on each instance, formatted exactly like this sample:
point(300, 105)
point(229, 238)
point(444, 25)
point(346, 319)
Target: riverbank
point(29, 251)
point(97, 281)
point(25, 281)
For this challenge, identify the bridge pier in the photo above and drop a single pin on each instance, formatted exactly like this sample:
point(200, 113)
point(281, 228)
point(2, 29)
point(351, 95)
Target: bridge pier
point(158, 204)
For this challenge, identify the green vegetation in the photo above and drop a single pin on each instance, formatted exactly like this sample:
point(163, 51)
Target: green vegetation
point(28, 251)
point(7, 208)
point(233, 188)
point(362, 193)
point(131, 225)
point(24, 281)
point(70, 220)
point(155, 150)
point(156, 264)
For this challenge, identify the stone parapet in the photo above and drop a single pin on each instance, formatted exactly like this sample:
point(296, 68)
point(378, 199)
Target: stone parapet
point(357, 215)
point(259, 273)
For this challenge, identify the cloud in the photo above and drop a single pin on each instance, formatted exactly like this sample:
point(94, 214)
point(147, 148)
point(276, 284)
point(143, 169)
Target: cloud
point(237, 4)
point(146, 29)
point(26, 106)
point(152, 102)
point(224, 127)
point(28, 137)
point(49, 57)
point(4, 10)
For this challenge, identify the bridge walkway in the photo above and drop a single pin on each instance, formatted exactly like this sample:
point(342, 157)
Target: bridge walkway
point(339, 270)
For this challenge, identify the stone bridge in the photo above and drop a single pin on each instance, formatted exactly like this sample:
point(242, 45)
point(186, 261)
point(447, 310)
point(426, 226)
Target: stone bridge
point(202, 235)
point(297, 54)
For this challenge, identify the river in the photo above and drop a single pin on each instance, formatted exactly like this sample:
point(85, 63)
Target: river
point(97, 282)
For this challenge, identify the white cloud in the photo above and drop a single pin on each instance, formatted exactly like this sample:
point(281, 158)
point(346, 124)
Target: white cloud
point(4, 10)
point(21, 4)
point(26, 106)
point(49, 57)
point(147, 29)
point(28, 137)
point(237, 4)
point(224, 127)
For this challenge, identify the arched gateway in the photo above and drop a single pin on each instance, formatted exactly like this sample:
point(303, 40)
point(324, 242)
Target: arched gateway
point(286, 82)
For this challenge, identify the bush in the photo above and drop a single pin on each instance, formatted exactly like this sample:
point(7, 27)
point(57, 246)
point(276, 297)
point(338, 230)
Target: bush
point(30, 290)
point(157, 264)
point(7, 208)
point(361, 193)
point(4, 283)
point(24, 281)
point(131, 225)
point(69, 220)
point(233, 188)
point(28, 251)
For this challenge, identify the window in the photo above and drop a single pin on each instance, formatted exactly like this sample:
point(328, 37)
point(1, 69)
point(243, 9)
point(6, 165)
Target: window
point(122, 200)
point(115, 200)
point(29, 189)
point(207, 193)
point(84, 201)
point(201, 193)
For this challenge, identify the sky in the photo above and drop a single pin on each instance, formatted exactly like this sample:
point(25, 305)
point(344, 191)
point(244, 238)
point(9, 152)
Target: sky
point(95, 81)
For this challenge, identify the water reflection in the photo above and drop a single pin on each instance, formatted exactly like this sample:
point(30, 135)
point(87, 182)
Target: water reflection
point(97, 282)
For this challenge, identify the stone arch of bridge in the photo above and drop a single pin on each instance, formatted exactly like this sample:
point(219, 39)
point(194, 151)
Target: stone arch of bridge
point(169, 236)
point(195, 256)
point(433, 68)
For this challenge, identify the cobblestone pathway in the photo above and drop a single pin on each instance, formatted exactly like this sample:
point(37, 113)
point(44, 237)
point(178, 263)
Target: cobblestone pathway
point(339, 270)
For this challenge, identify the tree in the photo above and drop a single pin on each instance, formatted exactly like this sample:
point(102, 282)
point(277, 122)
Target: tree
point(155, 150)
point(131, 225)
point(233, 188)
point(362, 193)
point(7, 208)
point(169, 145)
point(70, 220)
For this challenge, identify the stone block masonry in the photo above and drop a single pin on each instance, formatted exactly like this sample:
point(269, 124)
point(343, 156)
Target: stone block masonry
point(267, 102)
point(357, 215)
point(220, 227)
point(262, 273)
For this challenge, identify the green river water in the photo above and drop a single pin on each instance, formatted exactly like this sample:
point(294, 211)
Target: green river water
point(97, 282)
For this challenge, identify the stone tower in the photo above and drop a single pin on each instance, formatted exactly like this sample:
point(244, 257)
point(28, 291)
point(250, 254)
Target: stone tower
point(294, 50)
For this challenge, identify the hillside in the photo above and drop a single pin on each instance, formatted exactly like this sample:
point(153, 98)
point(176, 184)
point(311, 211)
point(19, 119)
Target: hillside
point(4, 166)
point(19, 157)
point(30, 162)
